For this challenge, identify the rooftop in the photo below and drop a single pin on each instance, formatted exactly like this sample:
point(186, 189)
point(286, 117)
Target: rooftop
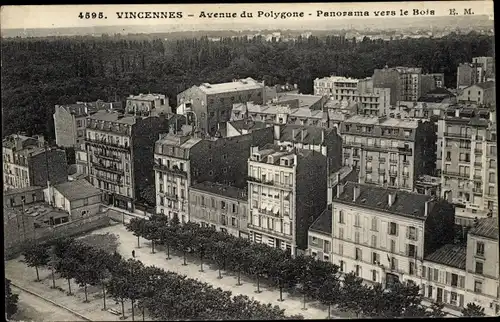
point(449, 255)
point(338, 79)
point(146, 97)
point(21, 190)
point(383, 121)
point(487, 227)
point(78, 189)
point(178, 140)
point(221, 189)
point(486, 85)
point(111, 116)
point(10, 140)
point(373, 197)
point(323, 224)
point(239, 85)
point(305, 101)
point(305, 134)
point(240, 125)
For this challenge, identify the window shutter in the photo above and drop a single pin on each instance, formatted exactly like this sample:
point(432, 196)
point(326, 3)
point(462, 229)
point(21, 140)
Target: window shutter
point(448, 278)
point(416, 234)
point(461, 281)
point(407, 232)
point(397, 229)
point(407, 250)
point(388, 228)
point(445, 298)
point(429, 274)
point(423, 271)
point(461, 300)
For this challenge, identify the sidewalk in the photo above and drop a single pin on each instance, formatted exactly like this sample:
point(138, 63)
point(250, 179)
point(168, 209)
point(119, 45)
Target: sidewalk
point(292, 305)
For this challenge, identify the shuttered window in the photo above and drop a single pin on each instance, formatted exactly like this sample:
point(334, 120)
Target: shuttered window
point(423, 271)
point(461, 281)
point(460, 300)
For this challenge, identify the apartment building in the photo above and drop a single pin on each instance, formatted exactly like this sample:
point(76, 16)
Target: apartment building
point(287, 192)
point(437, 78)
point(469, 74)
point(28, 161)
point(487, 64)
point(212, 103)
point(405, 83)
point(375, 103)
point(479, 93)
point(299, 116)
point(147, 105)
point(482, 280)
point(469, 162)
point(173, 174)
point(383, 235)
point(444, 277)
point(220, 206)
point(181, 161)
point(320, 236)
point(337, 87)
point(389, 152)
point(120, 154)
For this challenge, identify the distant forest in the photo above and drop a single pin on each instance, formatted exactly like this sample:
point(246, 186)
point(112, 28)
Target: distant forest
point(40, 73)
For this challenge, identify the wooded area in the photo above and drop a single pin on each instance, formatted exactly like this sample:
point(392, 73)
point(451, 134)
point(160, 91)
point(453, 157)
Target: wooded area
point(37, 74)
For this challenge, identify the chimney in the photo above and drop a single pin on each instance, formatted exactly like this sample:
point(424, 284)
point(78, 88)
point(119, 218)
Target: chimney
point(41, 141)
point(356, 192)
point(338, 178)
point(426, 210)
point(391, 198)
point(277, 132)
point(340, 189)
point(457, 113)
point(293, 135)
point(303, 134)
point(322, 136)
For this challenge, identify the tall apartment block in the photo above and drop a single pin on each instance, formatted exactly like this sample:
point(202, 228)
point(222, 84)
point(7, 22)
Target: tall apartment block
point(27, 161)
point(487, 64)
point(406, 83)
point(182, 161)
point(212, 103)
point(389, 152)
point(469, 162)
point(120, 151)
point(337, 87)
point(147, 105)
point(382, 235)
point(469, 74)
point(287, 191)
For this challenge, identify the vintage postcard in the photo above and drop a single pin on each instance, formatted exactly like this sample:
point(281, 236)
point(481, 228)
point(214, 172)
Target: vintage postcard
point(250, 161)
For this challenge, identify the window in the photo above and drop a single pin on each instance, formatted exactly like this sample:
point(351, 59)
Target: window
point(412, 268)
point(357, 221)
point(374, 224)
point(375, 258)
point(478, 286)
point(374, 275)
point(341, 264)
point(435, 275)
point(480, 248)
point(314, 240)
point(341, 233)
point(479, 268)
point(222, 205)
point(412, 250)
point(412, 233)
point(234, 209)
point(454, 280)
point(358, 270)
point(374, 241)
point(341, 217)
point(393, 228)
point(393, 246)
point(341, 249)
point(453, 298)
point(356, 237)
point(358, 254)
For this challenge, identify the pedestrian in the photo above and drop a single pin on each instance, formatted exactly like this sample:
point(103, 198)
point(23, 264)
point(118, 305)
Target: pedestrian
point(133, 253)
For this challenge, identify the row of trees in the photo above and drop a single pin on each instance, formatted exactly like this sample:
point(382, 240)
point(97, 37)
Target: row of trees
point(39, 73)
point(317, 280)
point(164, 295)
point(11, 300)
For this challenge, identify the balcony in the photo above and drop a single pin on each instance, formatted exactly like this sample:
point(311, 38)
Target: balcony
point(287, 186)
point(478, 177)
point(406, 162)
point(107, 144)
point(173, 170)
point(381, 170)
point(458, 135)
point(393, 161)
point(406, 174)
point(270, 232)
point(105, 156)
point(478, 151)
point(478, 164)
point(455, 174)
point(381, 160)
point(393, 173)
point(356, 156)
point(170, 196)
point(477, 190)
point(112, 169)
point(368, 170)
point(116, 180)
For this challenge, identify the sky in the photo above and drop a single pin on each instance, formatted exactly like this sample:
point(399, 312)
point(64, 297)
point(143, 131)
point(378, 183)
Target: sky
point(64, 16)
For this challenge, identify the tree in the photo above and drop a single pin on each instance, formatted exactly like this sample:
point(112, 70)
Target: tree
point(473, 310)
point(328, 293)
point(11, 300)
point(436, 310)
point(353, 294)
point(36, 255)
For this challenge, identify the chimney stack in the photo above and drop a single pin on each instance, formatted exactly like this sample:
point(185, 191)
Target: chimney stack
point(457, 113)
point(426, 210)
point(293, 135)
point(303, 133)
point(340, 189)
point(322, 136)
point(392, 198)
point(356, 192)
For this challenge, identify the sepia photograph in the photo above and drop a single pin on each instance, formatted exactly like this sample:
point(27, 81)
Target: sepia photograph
point(252, 161)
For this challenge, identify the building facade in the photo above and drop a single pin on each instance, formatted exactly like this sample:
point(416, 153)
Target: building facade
point(388, 152)
point(212, 103)
point(383, 235)
point(469, 74)
point(405, 83)
point(27, 161)
point(487, 64)
point(222, 207)
point(469, 163)
point(479, 93)
point(337, 87)
point(120, 154)
point(287, 192)
point(147, 105)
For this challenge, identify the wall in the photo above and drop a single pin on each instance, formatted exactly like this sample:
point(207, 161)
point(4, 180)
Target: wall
point(65, 127)
point(444, 282)
point(388, 79)
point(29, 197)
point(71, 228)
point(198, 105)
point(319, 246)
point(57, 167)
